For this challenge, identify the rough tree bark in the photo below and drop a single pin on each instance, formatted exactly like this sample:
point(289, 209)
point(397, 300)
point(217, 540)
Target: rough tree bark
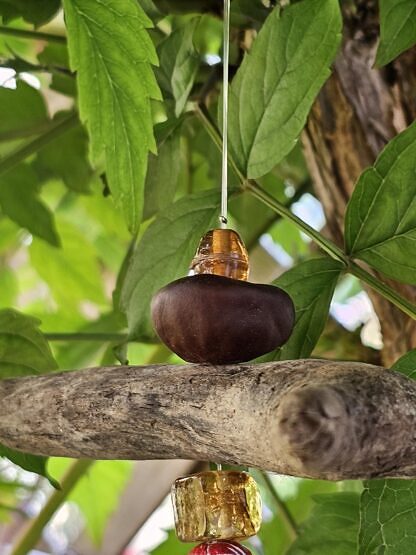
point(313, 418)
point(357, 112)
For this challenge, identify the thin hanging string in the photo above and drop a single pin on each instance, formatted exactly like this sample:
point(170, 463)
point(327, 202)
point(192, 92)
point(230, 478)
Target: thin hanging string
point(225, 62)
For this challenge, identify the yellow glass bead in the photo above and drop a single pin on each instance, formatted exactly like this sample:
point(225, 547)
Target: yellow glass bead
point(221, 252)
point(216, 505)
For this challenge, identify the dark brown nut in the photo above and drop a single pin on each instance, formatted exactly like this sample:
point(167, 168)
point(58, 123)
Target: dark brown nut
point(210, 318)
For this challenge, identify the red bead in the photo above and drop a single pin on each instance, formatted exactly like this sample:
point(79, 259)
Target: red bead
point(221, 547)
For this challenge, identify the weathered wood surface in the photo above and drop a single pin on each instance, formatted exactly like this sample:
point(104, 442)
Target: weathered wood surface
point(313, 418)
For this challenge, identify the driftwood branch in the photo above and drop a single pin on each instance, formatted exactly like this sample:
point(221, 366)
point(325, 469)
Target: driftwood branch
point(312, 418)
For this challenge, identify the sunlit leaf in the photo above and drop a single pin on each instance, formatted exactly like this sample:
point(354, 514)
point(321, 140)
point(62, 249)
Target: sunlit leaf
point(9, 287)
point(97, 493)
point(112, 53)
point(71, 272)
point(278, 80)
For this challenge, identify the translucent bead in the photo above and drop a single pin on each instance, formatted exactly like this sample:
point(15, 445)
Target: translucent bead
point(221, 252)
point(216, 505)
point(220, 548)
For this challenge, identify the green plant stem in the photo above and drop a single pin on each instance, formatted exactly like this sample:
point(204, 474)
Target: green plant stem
point(86, 336)
point(17, 156)
point(31, 35)
point(31, 533)
point(104, 337)
point(25, 132)
point(325, 244)
point(287, 516)
point(385, 290)
point(266, 198)
point(302, 189)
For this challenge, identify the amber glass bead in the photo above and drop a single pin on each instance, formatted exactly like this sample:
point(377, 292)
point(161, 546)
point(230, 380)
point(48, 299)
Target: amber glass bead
point(216, 505)
point(220, 548)
point(221, 252)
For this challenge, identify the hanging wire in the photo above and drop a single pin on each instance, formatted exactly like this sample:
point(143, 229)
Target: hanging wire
point(225, 62)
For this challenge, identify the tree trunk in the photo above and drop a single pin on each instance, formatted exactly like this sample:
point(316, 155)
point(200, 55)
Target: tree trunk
point(312, 418)
point(358, 111)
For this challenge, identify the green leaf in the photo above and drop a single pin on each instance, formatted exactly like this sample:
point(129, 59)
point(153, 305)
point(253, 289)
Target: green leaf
point(23, 112)
point(388, 513)
point(171, 546)
point(289, 238)
point(164, 254)
point(9, 235)
point(72, 272)
point(55, 58)
point(97, 493)
point(311, 285)
point(407, 364)
point(254, 217)
point(82, 354)
point(179, 62)
point(332, 527)
point(67, 158)
point(253, 10)
point(278, 80)
point(380, 223)
point(9, 287)
point(397, 29)
point(19, 200)
point(388, 507)
point(37, 12)
point(151, 10)
point(23, 349)
point(163, 171)
point(31, 463)
point(274, 534)
point(111, 51)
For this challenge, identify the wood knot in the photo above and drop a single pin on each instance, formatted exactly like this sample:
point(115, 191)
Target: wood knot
point(315, 426)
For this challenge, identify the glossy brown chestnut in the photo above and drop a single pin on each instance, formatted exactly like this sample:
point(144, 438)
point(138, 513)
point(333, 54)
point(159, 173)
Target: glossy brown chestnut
point(210, 318)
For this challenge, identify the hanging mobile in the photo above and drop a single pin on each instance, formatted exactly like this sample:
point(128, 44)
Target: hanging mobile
point(216, 316)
